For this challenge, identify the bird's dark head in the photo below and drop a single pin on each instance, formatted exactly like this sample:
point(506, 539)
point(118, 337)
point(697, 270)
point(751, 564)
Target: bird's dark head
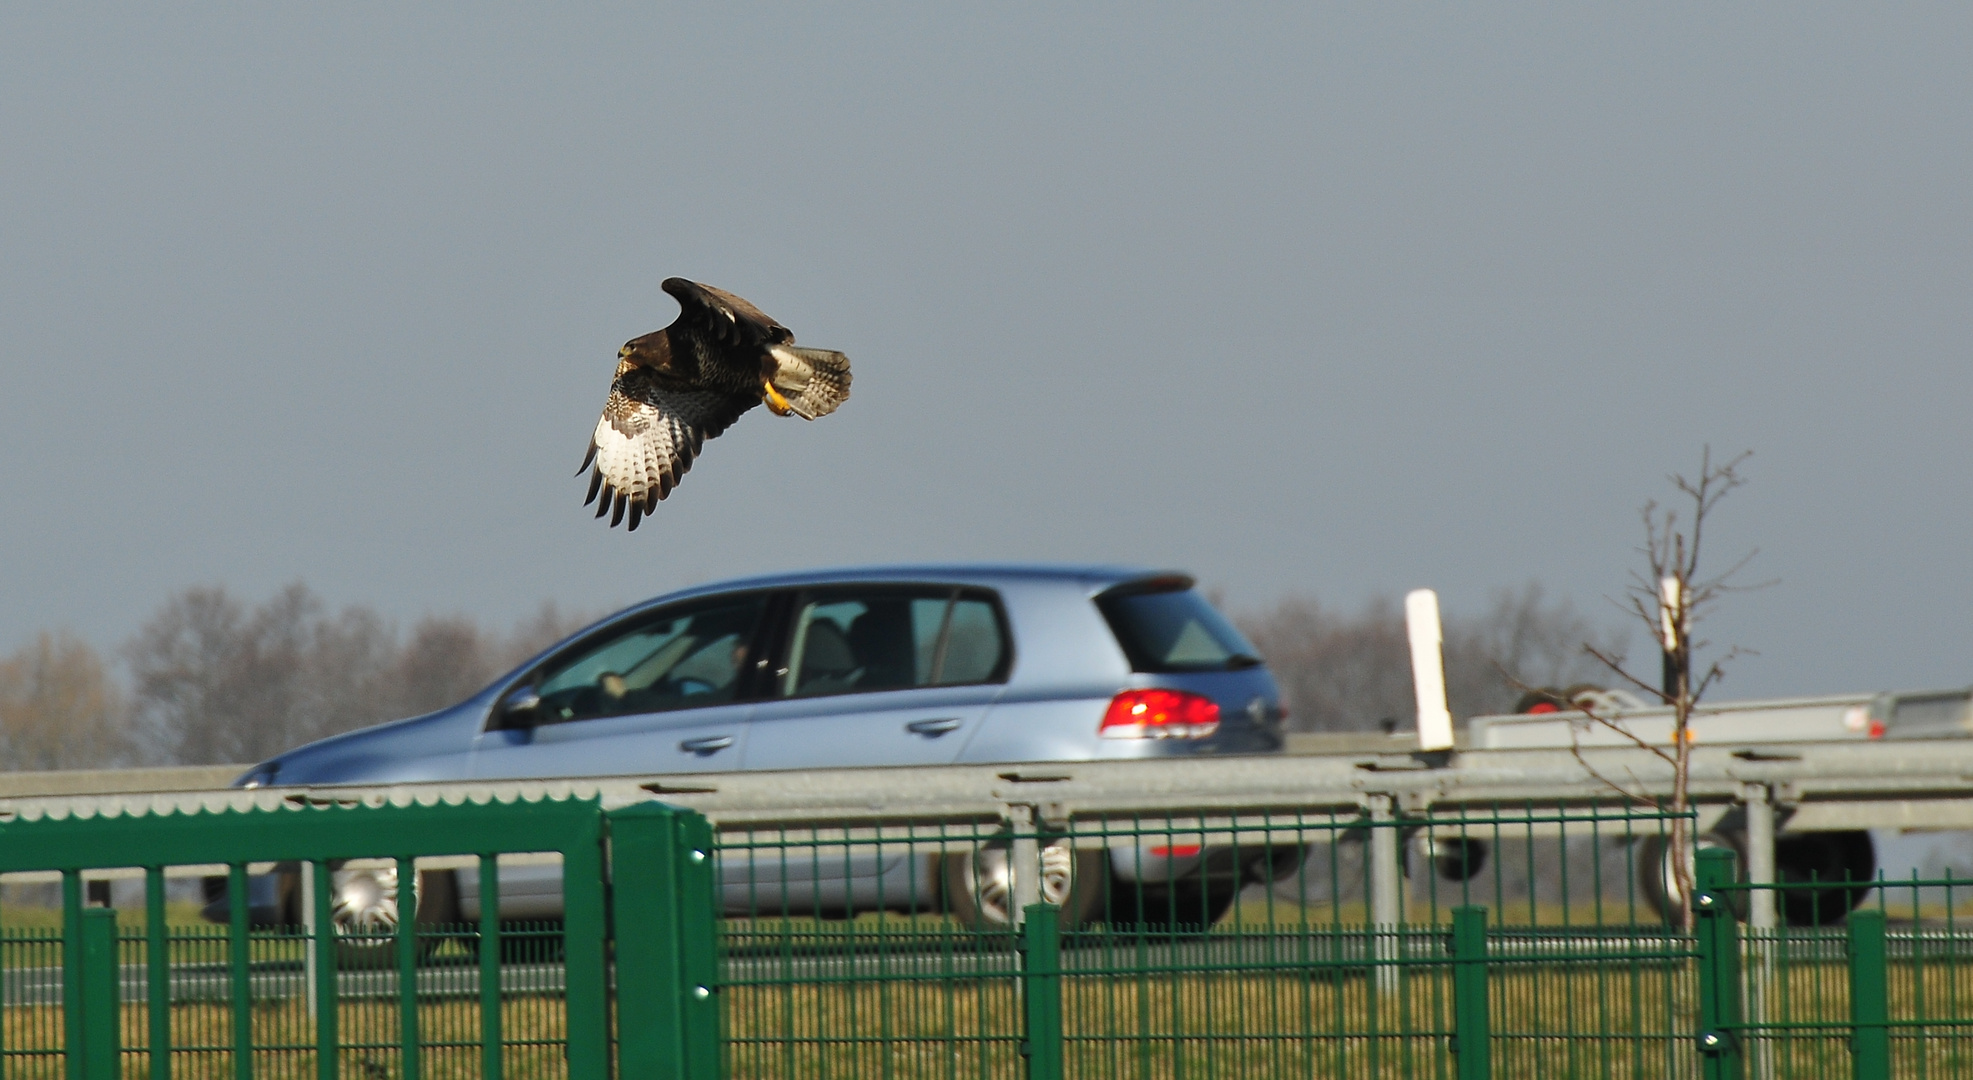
point(653, 350)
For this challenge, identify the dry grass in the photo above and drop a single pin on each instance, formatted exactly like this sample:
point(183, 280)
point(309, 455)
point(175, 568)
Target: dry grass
point(1619, 1021)
point(201, 1033)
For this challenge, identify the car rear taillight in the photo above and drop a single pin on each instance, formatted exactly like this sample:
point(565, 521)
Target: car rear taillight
point(1160, 714)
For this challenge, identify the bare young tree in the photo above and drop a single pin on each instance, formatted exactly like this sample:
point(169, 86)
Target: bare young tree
point(1671, 598)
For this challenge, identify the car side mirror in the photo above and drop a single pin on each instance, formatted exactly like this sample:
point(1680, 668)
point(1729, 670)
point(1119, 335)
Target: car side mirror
point(517, 709)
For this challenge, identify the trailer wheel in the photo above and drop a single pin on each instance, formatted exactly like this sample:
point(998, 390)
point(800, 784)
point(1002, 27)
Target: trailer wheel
point(1846, 860)
point(1659, 884)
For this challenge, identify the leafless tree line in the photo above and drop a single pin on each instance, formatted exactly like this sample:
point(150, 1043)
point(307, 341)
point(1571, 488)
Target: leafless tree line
point(1352, 671)
point(213, 680)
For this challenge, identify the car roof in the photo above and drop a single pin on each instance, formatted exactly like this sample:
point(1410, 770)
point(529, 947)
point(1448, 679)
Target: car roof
point(1092, 578)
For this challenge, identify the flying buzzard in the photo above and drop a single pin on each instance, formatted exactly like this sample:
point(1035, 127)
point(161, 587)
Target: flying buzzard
point(677, 387)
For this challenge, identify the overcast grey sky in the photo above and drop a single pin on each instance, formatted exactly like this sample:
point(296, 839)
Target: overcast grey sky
point(1338, 301)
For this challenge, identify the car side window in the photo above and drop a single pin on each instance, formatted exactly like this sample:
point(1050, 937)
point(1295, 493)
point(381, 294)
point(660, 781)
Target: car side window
point(974, 647)
point(856, 641)
point(678, 659)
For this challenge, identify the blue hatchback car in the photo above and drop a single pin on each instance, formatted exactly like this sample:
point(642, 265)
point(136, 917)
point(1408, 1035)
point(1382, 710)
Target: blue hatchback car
point(893, 665)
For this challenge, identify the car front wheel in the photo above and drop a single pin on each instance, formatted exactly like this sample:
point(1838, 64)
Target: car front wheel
point(363, 906)
point(979, 885)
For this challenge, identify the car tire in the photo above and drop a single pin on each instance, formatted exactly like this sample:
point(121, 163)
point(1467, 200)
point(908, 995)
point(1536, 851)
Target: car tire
point(363, 907)
point(979, 887)
point(1185, 907)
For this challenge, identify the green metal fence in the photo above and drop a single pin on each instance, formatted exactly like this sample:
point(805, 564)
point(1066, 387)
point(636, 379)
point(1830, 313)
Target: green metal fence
point(1887, 993)
point(1040, 944)
point(100, 999)
point(1208, 944)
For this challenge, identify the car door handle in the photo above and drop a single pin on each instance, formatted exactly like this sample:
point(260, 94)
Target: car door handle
point(932, 729)
point(712, 745)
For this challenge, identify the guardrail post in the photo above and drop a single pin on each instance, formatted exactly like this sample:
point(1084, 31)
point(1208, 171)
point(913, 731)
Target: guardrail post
point(1718, 946)
point(1386, 879)
point(101, 996)
point(1870, 1038)
point(1762, 915)
point(1472, 1041)
point(661, 876)
point(1041, 991)
point(1024, 859)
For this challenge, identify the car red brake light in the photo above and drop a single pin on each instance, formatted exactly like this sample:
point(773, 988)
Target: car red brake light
point(1160, 714)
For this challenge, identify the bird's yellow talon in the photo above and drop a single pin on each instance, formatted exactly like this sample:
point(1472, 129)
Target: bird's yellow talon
point(775, 402)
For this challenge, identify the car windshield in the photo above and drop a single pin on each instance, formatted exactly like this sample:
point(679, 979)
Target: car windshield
point(1175, 630)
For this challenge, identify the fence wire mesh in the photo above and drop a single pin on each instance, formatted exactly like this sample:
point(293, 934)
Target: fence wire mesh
point(1248, 945)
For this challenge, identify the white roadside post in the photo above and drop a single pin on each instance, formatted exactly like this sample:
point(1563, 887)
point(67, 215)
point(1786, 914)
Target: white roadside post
point(1421, 620)
point(1421, 616)
point(1669, 598)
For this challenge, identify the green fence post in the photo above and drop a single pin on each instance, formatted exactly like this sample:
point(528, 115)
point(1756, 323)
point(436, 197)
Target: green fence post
point(585, 950)
point(157, 974)
point(645, 852)
point(101, 996)
point(328, 1007)
point(1717, 941)
point(239, 966)
point(1041, 990)
point(73, 1039)
point(1472, 1042)
point(407, 968)
point(1870, 1038)
point(698, 932)
point(490, 1048)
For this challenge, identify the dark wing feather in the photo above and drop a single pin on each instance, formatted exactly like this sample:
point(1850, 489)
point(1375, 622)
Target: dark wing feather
point(715, 315)
point(651, 429)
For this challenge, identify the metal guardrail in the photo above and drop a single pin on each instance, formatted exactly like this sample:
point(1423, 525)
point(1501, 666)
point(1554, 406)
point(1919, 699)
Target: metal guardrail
point(1930, 777)
point(117, 781)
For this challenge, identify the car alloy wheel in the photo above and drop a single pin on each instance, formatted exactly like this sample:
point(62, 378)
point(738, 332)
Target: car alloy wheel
point(979, 885)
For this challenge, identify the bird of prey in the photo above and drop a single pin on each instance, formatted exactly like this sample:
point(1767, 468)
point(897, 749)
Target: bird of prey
point(677, 387)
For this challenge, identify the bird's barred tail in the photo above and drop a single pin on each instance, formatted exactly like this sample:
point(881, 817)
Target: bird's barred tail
point(815, 381)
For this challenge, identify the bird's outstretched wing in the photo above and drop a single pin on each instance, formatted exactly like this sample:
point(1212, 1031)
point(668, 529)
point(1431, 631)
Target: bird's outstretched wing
point(651, 429)
point(717, 315)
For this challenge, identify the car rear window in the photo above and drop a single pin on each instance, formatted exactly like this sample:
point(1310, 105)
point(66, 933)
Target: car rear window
point(1171, 628)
